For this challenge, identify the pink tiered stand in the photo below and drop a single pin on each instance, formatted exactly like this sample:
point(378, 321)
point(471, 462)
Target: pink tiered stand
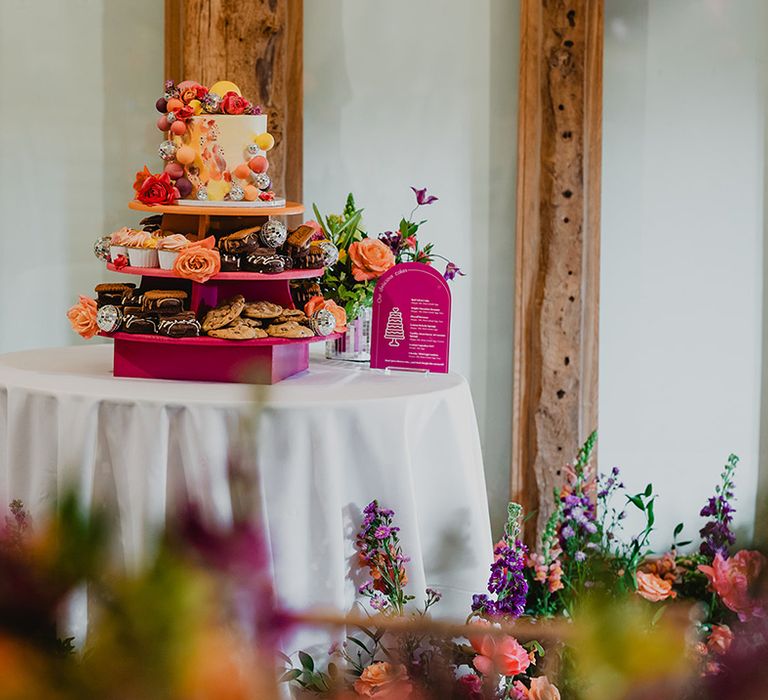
point(260, 361)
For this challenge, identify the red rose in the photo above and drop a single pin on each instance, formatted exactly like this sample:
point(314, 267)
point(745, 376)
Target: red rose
point(184, 113)
point(120, 262)
point(201, 90)
point(233, 103)
point(157, 189)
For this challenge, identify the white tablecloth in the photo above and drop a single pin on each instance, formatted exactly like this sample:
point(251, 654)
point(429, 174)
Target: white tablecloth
point(329, 441)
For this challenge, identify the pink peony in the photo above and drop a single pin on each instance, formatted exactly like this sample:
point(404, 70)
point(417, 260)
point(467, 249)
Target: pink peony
point(732, 578)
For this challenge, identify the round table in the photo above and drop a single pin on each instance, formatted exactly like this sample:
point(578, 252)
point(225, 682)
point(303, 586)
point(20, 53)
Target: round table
point(325, 444)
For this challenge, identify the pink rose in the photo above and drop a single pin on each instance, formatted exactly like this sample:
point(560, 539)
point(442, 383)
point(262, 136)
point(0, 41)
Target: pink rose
point(732, 578)
point(371, 258)
point(653, 588)
point(719, 640)
point(82, 316)
point(504, 655)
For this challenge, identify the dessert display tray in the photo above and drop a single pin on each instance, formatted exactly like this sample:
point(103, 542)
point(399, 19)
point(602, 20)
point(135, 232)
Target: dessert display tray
point(254, 276)
point(261, 361)
point(288, 209)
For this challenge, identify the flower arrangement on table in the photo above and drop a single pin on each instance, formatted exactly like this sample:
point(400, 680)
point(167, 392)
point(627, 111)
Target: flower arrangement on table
point(363, 259)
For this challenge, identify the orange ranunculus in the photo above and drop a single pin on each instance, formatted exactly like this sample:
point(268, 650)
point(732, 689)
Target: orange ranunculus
point(504, 655)
point(198, 261)
point(319, 302)
point(719, 640)
point(664, 567)
point(371, 258)
point(140, 177)
point(383, 680)
point(732, 578)
point(82, 316)
point(542, 689)
point(654, 588)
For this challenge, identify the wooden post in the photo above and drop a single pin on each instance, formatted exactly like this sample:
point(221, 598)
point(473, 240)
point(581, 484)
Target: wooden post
point(259, 46)
point(558, 244)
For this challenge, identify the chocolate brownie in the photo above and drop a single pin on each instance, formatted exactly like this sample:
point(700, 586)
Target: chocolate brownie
point(230, 262)
point(114, 294)
point(137, 321)
point(183, 325)
point(267, 261)
point(166, 302)
point(240, 242)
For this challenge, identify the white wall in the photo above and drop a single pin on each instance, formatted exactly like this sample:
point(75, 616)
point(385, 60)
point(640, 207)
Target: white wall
point(80, 79)
point(682, 249)
point(424, 93)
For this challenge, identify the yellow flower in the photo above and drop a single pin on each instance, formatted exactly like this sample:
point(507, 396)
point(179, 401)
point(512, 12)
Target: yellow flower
point(342, 255)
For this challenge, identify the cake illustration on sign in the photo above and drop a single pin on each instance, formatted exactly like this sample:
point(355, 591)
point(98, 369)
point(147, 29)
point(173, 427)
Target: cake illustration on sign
point(394, 331)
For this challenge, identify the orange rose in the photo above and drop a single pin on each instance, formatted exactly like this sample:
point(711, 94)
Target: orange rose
point(319, 302)
point(384, 681)
point(198, 261)
point(82, 316)
point(654, 588)
point(371, 258)
point(542, 689)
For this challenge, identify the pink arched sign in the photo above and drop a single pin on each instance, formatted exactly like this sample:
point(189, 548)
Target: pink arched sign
point(411, 326)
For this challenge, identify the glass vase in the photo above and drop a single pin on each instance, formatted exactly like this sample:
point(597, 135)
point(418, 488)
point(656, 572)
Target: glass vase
point(355, 344)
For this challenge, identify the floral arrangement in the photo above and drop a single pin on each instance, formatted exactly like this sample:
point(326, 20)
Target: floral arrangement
point(363, 259)
point(591, 614)
point(155, 188)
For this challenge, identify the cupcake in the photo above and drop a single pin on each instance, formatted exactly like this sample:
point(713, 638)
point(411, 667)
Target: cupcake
point(168, 249)
point(142, 249)
point(117, 242)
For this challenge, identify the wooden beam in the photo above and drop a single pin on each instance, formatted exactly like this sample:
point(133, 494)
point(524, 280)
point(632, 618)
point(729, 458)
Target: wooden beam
point(257, 45)
point(558, 244)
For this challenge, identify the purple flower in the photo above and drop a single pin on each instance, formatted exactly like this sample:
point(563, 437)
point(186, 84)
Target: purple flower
point(716, 534)
point(579, 556)
point(567, 532)
point(422, 198)
point(382, 532)
point(451, 270)
point(393, 240)
point(507, 580)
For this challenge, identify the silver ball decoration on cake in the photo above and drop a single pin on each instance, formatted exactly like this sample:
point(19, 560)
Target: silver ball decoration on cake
point(171, 117)
point(262, 181)
point(211, 103)
point(101, 248)
point(252, 149)
point(323, 322)
point(109, 318)
point(167, 150)
point(236, 193)
point(273, 234)
point(330, 253)
point(202, 193)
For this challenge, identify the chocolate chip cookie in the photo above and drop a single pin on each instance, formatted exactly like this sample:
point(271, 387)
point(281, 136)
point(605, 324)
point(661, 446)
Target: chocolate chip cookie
point(262, 309)
point(291, 329)
point(224, 313)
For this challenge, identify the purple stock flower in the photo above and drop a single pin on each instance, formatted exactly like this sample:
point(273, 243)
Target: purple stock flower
point(382, 532)
point(579, 556)
point(567, 532)
point(717, 536)
point(507, 580)
point(451, 270)
point(422, 198)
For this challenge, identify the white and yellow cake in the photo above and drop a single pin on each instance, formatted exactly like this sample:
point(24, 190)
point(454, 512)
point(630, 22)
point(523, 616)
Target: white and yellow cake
point(216, 144)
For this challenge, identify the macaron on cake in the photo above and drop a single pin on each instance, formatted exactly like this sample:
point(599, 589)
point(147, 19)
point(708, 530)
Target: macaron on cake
point(214, 148)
